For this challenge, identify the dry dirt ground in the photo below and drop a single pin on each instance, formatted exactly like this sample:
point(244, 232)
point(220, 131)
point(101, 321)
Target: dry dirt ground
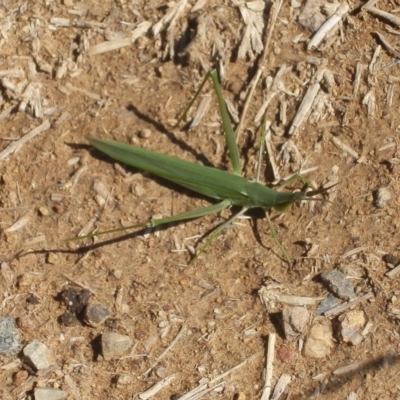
point(54, 186)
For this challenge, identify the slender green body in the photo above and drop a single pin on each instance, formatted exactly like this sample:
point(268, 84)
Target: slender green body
point(230, 189)
point(211, 182)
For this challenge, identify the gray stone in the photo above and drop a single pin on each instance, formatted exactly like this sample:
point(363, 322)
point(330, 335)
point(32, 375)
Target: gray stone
point(352, 324)
point(114, 345)
point(295, 320)
point(49, 394)
point(36, 354)
point(326, 304)
point(95, 314)
point(382, 197)
point(338, 284)
point(10, 342)
point(311, 17)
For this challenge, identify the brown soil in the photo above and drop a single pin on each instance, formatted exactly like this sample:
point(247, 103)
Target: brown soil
point(144, 279)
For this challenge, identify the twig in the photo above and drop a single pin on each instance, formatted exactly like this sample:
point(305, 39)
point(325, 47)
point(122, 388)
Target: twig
point(176, 339)
point(77, 283)
point(280, 386)
point(269, 369)
point(338, 143)
point(156, 388)
point(190, 395)
point(384, 15)
point(19, 224)
point(305, 107)
point(357, 79)
point(327, 26)
point(271, 157)
point(110, 45)
point(393, 272)
point(389, 48)
point(338, 309)
point(16, 146)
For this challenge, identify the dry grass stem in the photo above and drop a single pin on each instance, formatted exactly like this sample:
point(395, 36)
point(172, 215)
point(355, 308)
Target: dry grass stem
point(169, 18)
point(201, 110)
point(280, 386)
point(270, 153)
point(269, 368)
point(389, 48)
point(384, 15)
point(275, 12)
point(342, 307)
point(357, 79)
point(304, 108)
point(14, 147)
point(181, 333)
point(328, 26)
point(79, 284)
point(339, 144)
point(156, 388)
point(193, 393)
point(393, 272)
point(116, 44)
point(19, 224)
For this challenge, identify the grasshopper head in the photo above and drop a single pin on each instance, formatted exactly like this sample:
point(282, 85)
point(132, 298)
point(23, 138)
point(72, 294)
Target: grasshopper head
point(294, 197)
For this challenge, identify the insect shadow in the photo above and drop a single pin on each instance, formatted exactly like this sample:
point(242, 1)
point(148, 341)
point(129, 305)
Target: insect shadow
point(335, 383)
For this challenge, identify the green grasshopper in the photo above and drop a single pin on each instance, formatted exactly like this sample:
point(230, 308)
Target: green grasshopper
point(230, 189)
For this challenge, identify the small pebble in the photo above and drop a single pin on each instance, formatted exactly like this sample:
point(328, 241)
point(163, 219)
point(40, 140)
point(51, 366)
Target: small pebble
point(382, 196)
point(391, 259)
point(295, 320)
point(68, 319)
point(36, 354)
point(351, 324)
point(117, 273)
point(319, 342)
point(95, 314)
point(52, 259)
point(286, 354)
point(49, 394)
point(20, 377)
point(338, 284)
point(5, 266)
point(58, 208)
point(32, 299)
point(144, 133)
point(114, 345)
point(43, 211)
point(138, 190)
point(161, 372)
point(75, 299)
point(123, 380)
point(10, 342)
